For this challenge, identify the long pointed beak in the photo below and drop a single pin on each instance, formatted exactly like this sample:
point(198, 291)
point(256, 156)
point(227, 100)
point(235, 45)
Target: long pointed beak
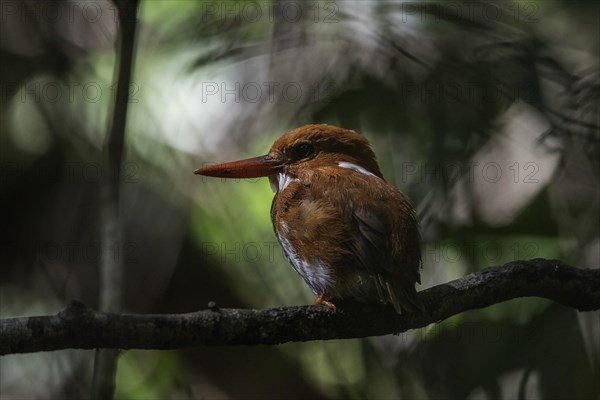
point(249, 168)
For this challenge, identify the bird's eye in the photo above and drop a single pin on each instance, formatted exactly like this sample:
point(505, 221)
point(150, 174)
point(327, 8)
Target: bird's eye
point(303, 150)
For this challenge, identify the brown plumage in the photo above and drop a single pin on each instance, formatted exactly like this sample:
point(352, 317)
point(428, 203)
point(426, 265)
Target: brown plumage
point(345, 230)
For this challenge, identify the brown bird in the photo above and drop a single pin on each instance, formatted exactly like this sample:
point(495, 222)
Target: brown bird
point(344, 229)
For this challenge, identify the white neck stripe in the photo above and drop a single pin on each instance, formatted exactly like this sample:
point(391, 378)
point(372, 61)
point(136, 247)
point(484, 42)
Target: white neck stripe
point(345, 164)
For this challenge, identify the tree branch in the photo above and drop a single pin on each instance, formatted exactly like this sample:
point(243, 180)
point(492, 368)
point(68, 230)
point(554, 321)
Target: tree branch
point(83, 328)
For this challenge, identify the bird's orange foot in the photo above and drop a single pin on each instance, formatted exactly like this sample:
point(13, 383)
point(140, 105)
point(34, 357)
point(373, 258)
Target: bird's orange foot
point(320, 300)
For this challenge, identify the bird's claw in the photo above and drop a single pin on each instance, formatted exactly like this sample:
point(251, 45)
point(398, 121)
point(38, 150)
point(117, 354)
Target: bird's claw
point(320, 301)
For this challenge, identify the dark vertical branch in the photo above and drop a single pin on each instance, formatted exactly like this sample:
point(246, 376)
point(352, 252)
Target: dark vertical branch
point(111, 269)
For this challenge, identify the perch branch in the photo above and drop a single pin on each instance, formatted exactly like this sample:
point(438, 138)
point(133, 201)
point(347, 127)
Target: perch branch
point(80, 327)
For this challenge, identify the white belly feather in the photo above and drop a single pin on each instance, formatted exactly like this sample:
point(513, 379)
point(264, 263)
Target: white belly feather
point(316, 275)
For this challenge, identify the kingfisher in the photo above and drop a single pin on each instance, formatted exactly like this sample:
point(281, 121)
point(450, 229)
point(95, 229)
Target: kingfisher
point(344, 229)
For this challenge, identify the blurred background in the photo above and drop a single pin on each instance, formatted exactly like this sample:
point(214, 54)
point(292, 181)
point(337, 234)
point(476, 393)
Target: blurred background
point(484, 113)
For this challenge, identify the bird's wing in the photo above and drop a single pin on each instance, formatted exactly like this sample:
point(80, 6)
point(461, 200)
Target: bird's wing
point(386, 243)
point(385, 229)
point(369, 242)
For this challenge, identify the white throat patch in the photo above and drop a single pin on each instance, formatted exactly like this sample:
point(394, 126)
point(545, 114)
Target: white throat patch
point(355, 167)
point(280, 181)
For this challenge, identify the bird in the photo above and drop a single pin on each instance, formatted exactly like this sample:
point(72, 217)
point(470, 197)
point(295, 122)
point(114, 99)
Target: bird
point(346, 231)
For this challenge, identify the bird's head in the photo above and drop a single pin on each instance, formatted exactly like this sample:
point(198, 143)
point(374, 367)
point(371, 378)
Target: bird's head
point(305, 148)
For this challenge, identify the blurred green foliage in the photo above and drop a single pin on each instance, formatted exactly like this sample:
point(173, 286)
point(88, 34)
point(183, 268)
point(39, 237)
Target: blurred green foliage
point(427, 86)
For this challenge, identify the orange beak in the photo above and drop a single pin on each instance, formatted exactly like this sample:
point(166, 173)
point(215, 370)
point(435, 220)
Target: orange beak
point(249, 168)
